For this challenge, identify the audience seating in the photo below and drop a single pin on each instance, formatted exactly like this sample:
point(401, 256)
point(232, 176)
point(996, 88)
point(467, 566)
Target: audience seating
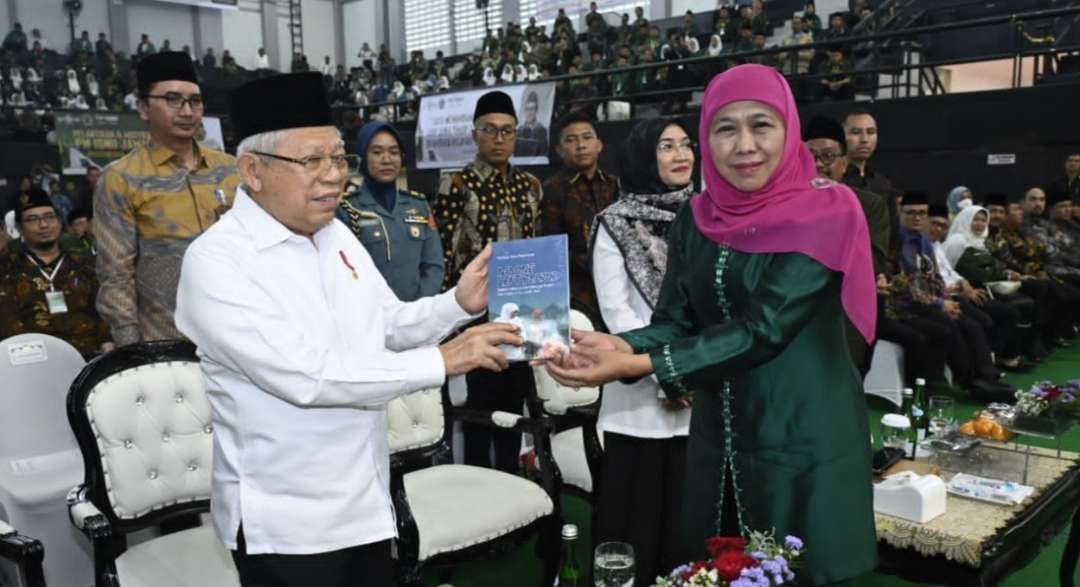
point(25, 553)
point(39, 459)
point(447, 513)
point(142, 420)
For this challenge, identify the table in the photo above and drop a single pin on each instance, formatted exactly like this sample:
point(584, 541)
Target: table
point(977, 543)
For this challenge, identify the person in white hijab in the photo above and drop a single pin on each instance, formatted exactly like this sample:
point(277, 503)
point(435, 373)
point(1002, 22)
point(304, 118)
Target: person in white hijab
point(80, 103)
point(507, 76)
point(521, 74)
point(489, 77)
point(962, 236)
point(716, 45)
point(534, 72)
point(91, 84)
point(16, 78)
point(73, 82)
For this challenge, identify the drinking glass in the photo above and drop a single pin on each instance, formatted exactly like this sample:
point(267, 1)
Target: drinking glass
point(942, 414)
point(613, 565)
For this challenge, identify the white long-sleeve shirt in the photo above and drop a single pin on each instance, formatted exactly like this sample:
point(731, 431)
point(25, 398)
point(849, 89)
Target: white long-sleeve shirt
point(945, 269)
point(635, 409)
point(300, 356)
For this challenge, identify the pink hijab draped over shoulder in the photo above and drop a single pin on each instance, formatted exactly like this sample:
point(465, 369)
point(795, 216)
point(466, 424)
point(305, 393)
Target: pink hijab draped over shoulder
point(795, 211)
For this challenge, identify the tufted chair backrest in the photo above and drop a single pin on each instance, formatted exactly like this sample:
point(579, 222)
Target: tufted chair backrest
point(416, 420)
point(557, 397)
point(152, 428)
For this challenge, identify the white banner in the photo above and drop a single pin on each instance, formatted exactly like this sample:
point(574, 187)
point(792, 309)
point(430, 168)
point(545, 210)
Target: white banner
point(444, 127)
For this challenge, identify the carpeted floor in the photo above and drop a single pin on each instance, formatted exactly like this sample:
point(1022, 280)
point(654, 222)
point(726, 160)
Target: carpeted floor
point(521, 568)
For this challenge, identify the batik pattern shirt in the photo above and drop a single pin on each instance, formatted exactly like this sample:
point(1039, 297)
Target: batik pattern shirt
point(148, 207)
point(479, 205)
point(23, 306)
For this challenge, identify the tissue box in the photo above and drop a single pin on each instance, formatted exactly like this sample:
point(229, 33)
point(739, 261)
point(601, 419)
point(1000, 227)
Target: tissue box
point(908, 495)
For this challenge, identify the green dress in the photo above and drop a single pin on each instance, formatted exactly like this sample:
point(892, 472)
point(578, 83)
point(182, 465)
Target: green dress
point(779, 411)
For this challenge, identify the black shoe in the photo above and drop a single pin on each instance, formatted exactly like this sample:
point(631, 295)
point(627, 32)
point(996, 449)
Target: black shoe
point(991, 392)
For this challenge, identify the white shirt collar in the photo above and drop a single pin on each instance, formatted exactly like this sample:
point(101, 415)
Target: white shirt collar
point(265, 230)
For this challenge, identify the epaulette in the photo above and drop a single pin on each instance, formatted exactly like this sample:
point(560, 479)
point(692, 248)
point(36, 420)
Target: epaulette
point(417, 195)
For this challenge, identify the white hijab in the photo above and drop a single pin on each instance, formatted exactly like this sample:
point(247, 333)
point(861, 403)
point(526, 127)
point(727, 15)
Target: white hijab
point(489, 77)
point(716, 45)
point(507, 74)
point(961, 237)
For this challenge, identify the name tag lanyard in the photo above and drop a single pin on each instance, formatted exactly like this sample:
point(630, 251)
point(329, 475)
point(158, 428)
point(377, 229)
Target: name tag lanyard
point(54, 299)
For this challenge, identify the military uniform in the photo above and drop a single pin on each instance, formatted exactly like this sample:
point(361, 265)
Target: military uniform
point(403, 242)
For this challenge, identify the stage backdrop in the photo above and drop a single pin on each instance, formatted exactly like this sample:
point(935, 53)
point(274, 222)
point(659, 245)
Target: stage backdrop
point(88, 138)
point(444, 127)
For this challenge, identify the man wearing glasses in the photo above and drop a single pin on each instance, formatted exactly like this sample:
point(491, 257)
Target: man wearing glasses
point(303, 344)
point(46, 287)
point(151, 203)
point(826, 140)
point(490, 200)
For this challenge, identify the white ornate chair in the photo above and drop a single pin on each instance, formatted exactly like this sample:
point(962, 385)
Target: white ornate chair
point(25, 554)
point(886, 376)
point(142, 419)
point(577, 445)
point(39, 459)
point(447, 513)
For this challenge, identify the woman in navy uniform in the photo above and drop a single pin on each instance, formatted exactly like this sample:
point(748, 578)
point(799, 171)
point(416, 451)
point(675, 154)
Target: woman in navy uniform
point(395, 226)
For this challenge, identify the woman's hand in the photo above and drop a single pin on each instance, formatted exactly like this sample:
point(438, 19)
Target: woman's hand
point(590, 367)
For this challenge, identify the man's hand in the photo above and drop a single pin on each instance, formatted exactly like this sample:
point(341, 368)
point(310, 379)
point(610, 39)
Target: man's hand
point(478, 347)
point(472, 289)
point(977, 296)
point(952, 309)
point(587, 340)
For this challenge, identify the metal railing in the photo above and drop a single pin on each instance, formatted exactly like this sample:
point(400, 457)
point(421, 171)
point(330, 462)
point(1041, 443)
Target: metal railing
point(922, 77)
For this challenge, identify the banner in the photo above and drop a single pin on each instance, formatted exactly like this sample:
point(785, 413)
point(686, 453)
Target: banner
point(444, 127)
point(95, 139)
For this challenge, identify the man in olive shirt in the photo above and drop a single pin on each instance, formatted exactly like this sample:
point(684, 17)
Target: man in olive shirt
point(151, 203)
point(825, 139)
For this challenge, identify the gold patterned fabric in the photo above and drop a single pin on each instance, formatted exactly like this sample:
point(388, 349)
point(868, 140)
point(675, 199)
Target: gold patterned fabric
point(967, 525)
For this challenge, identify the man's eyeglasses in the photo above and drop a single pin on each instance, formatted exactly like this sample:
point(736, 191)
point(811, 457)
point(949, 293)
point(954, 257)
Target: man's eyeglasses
point(826, 157)
point(318, 164)
point(177, 102)
point(669, 147)
point(47, 218)
point(490, 131)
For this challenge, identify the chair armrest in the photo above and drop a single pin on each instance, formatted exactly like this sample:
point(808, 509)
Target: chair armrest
point(83, 511)
point(27, 554)
point(87, 517)
point(503, 420)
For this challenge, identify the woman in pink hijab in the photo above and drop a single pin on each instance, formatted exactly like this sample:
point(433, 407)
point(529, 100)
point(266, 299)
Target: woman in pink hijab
point(762, 268)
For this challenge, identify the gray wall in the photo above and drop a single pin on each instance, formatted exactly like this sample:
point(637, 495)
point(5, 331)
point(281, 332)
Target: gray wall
point(52, 19)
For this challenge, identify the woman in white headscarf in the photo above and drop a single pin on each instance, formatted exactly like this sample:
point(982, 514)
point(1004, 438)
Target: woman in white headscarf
point(534, 72)
point(521, 74)
point(489, 77)
point(92, 85)
point(507, 76)
point(716, 46)
point(16, 78)
point(965, 250)
point(73, 82)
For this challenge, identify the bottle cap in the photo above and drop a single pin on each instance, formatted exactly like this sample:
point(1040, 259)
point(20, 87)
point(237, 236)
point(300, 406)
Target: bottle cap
point(569, 531)
point(896, 421)
point(920, 381)
point(908, 391)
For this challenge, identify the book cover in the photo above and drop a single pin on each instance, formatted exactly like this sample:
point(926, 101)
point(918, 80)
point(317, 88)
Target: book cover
point(529, 286)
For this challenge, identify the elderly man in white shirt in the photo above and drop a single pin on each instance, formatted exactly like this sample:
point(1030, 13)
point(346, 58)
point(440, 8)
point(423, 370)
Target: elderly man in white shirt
point(302, 345)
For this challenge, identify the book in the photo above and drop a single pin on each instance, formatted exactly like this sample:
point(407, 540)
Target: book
point(529, 286)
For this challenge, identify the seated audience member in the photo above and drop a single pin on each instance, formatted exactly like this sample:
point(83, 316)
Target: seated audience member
point(825, 139)
point(922, 301)
point(46, 287)
point(959, 197)
point(60, 201)
point(1056, 302)
point(1062, 254)
point(81, 229)
point(960, 250)
point(1060, 209)
point(573, 197)
point(840, 85)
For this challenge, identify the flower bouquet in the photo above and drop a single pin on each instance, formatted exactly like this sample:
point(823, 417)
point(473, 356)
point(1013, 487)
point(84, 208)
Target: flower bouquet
point(759, 561)
point(1046, 407)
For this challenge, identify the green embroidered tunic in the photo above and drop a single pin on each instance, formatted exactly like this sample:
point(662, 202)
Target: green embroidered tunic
point(779, 411)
